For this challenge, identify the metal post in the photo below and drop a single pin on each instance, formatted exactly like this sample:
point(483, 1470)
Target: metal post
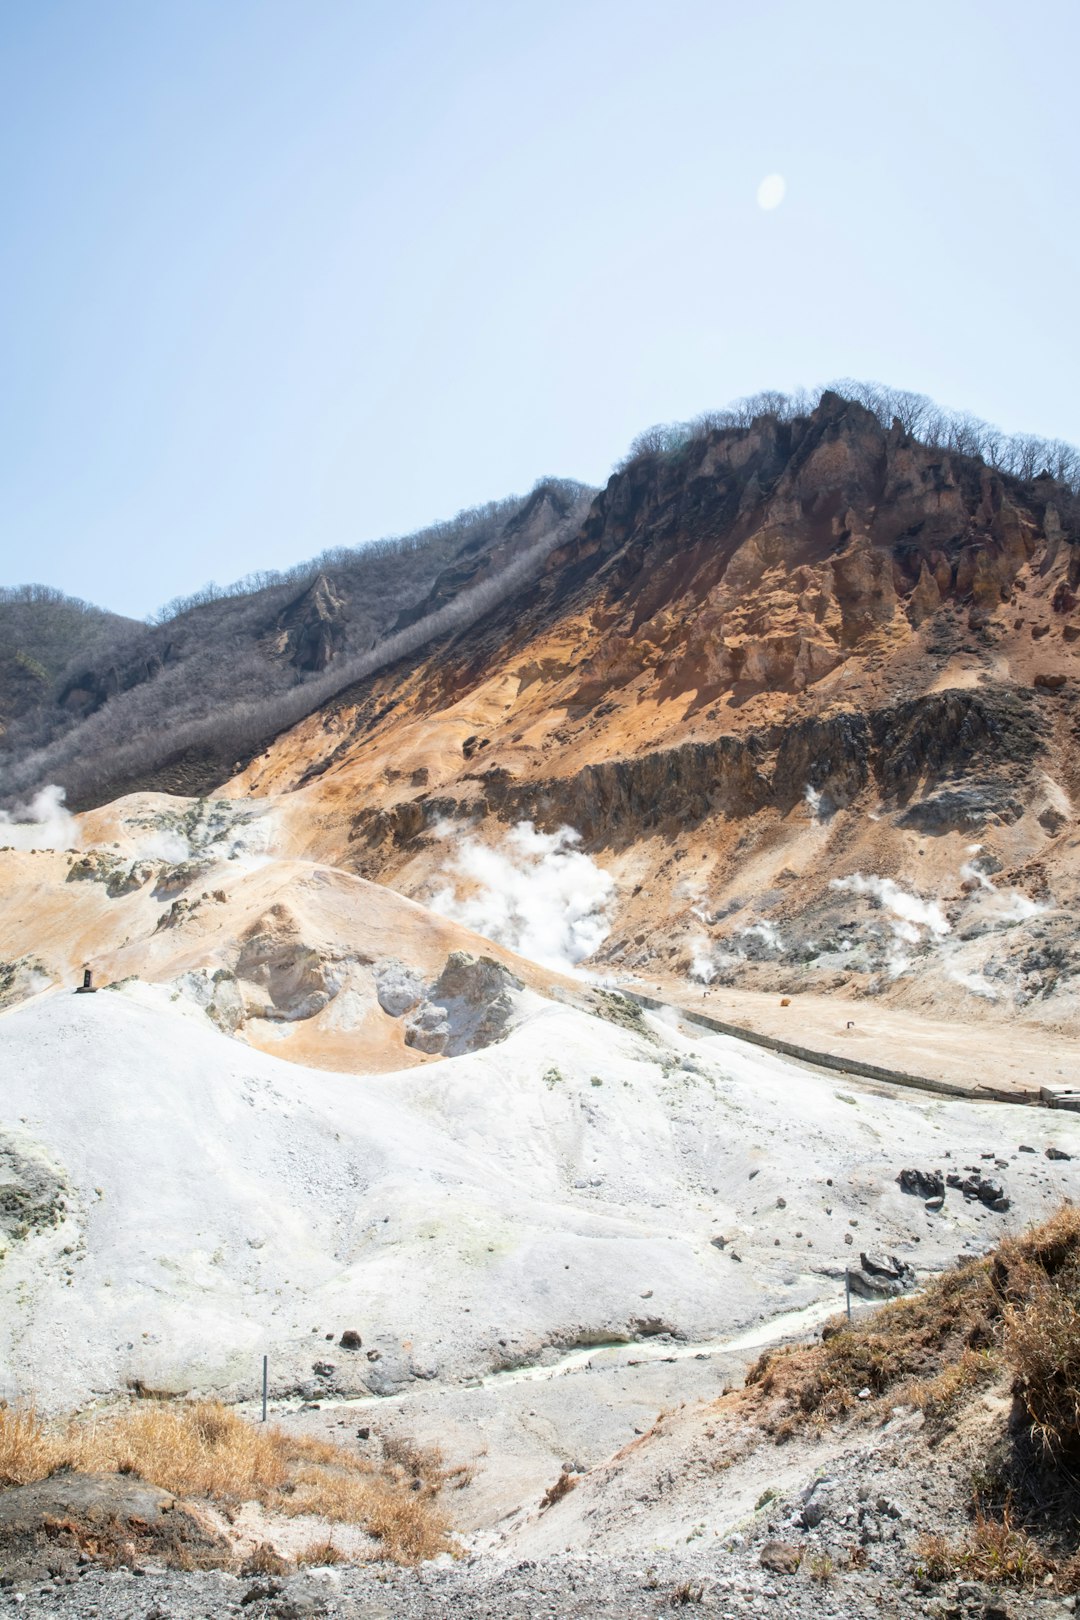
point(266, 1362)
point(847, 1296)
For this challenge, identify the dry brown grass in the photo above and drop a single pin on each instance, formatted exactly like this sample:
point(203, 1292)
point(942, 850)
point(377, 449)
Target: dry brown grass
point(907, 1340)
point(1038, 1277)
point(265, 1560)
point(1014, 1316)
point(318, 1554)
point(202, 1449)
point(24, 1448)
point(555, 1493)
point(995, 1550)
point(1017, 1310)
point(939, 1397)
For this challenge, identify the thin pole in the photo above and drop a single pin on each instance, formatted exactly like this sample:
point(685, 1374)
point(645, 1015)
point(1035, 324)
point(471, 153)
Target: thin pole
point(847, 1298)
point(266, 1362)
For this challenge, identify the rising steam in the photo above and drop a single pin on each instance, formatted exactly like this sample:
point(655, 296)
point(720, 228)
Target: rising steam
point(44, 823)
point(538, 894)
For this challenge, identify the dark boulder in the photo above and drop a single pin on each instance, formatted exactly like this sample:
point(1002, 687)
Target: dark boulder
point(922, 1183)
point(781, 1557)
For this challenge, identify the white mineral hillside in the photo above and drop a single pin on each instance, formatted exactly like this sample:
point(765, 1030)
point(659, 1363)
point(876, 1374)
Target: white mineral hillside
point(176, 1203)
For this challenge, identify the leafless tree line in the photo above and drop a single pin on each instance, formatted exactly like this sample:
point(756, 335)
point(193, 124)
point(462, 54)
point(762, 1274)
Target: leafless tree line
point(176, 711)
point(436, 544)
point(1023, 455)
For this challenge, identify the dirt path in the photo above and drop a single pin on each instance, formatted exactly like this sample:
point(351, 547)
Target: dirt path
point(972, 1056)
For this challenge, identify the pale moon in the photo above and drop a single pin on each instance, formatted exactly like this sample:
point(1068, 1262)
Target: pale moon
point(770, 193)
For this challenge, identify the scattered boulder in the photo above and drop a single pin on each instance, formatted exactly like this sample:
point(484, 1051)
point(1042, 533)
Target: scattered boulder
point(882, 1276)
point(350, 1340)
point(989, 1190)
point(992, 1190)
point(879, 1264)
point(922, 1183)
point(428, 1030)
point(1057, 1153)
point(935, 1203)
point(781, 1557)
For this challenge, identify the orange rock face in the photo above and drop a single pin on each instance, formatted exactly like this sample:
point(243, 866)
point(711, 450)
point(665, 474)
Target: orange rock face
point(790, 615)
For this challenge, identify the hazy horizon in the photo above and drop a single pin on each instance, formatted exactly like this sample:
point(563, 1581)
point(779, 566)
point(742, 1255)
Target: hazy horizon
point(279, 280)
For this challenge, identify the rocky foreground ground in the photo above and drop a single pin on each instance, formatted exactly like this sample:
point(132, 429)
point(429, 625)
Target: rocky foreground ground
point(849, 1543)
point(570, 1588)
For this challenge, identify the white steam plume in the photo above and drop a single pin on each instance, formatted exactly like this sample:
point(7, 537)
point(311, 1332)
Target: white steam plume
point(44, 823)
point(973, 982)
point(766, 931)
point(164, 845)
point(1007, 905)
point(702, 966)
point(908, 914)
point(813, 796)
point(538, 894)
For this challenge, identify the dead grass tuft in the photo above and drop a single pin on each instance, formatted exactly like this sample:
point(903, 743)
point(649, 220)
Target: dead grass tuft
point(203, 1449)
point(687, 1592)
point(995, 1550)
point(555, 1493)
point(265, 1560)
point(318, 1554)
point(25, 1449)
point(1036, 1276)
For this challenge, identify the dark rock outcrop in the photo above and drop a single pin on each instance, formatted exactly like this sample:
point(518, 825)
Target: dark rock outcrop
point(33, 1195)
point(311, 631)
point(923, 1183)
point(905, 753)
point(468, 1006)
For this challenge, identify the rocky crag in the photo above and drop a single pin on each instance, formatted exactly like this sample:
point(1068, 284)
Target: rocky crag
point(778, 658)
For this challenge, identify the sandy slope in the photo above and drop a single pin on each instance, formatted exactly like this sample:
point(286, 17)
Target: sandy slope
point(559, 1188)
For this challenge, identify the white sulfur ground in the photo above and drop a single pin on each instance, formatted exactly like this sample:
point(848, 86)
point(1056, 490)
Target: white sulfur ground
point(558, 1189)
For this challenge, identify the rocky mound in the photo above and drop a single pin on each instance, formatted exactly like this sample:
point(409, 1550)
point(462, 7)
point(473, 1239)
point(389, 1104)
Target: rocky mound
point(54, 1528)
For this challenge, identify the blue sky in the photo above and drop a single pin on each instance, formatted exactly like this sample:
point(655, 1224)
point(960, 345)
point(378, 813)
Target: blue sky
point(277, 275)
